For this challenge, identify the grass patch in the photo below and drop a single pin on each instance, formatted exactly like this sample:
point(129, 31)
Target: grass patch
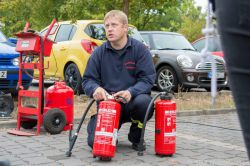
point(203, 101)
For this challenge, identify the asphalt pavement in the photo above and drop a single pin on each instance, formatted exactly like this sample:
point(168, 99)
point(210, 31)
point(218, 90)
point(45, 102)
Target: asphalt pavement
point(204, 140)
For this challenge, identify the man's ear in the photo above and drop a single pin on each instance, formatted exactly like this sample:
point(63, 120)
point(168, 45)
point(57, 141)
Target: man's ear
point(126, 26)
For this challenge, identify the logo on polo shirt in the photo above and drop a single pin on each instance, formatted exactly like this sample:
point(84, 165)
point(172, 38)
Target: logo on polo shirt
point(130, 65)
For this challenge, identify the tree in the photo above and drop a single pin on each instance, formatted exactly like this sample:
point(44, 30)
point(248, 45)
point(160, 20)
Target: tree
point(192, 20)
point(167, 15)
point(14, 15)
point(126, 6)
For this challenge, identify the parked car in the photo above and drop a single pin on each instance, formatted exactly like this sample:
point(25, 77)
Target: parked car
point(178, 64)
point(74, 43)
point(214, 45)
point(9, 61)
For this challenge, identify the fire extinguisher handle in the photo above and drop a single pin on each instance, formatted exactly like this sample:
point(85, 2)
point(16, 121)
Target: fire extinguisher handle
point(123, 98)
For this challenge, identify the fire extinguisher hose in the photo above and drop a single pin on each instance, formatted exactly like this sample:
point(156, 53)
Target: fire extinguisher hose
point(140, 146)
point(72, 139)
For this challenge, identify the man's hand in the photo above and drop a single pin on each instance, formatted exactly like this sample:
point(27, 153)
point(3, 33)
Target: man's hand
point(125, 94)
point(100, 94)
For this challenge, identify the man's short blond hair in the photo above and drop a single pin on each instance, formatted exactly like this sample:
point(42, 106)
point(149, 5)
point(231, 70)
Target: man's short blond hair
point(117, 13)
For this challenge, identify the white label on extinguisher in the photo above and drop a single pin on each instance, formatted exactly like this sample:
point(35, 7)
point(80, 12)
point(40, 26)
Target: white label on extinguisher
point(102, 133)
point(114, 137)
point(169, 125)
point(170, 134)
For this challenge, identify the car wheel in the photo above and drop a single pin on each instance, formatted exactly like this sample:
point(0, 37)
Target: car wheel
point(6, 105)
point(73, 78)
point(165, 78)
point(54, 121)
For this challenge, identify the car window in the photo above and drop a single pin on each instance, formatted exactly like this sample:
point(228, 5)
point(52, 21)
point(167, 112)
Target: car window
point(134, 33)
point(43, 32)
point(199, 45)
point(97, 31)
point(213, 44)
point(170, 41)
point(146, 38)
point(73, 31)
point(2, 37)
point(63, 33)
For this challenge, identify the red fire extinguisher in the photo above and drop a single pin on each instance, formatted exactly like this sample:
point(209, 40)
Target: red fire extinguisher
point(165, 125)
point(106, 129)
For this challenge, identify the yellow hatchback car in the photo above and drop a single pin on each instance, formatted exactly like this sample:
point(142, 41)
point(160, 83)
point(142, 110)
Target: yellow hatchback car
point(74, 43)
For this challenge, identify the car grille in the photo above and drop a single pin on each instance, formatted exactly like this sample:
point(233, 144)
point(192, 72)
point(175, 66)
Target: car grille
point(207, 66)
point(5, 61)
point(24, 82)
point(206, 80)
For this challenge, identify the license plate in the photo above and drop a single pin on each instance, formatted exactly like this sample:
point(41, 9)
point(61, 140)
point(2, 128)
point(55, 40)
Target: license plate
point(218, 75)
point(3, 74)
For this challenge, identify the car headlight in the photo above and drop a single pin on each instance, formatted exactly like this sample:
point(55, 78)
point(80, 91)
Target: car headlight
point(184, 61)
point(15, 61)
point(26, 59)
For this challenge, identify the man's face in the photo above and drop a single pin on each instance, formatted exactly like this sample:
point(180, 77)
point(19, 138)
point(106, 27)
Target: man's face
point(115, 29)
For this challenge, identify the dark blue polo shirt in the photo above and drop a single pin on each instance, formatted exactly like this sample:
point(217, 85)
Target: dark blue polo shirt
point(131, 69)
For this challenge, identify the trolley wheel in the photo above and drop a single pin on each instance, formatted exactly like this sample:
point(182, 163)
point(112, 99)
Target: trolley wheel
point(30, 123)
point(54, 121)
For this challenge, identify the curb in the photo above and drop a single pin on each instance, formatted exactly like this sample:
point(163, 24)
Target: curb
point(205, 112)
point(11, 123)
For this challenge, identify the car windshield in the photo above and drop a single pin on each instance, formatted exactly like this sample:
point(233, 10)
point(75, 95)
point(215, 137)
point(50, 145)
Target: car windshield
point(97, 31)
point(2, 37)
point(171, 42)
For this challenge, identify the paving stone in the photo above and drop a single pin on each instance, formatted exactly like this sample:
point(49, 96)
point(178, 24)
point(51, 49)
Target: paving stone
point(9, 157)
point(197, 145)
point(72, 162)
point(18, 163)
point(38, 160)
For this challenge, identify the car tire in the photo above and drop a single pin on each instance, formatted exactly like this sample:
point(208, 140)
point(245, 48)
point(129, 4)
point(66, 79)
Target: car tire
point(29, 124)
point(54, 121)
point(73, 78)
point(166, 77)
point(6, 105)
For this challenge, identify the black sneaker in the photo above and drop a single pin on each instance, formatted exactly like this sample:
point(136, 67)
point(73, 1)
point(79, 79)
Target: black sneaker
point(135, 146)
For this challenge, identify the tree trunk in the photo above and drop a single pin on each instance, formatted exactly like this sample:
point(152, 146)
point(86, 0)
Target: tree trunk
point(126, 6)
